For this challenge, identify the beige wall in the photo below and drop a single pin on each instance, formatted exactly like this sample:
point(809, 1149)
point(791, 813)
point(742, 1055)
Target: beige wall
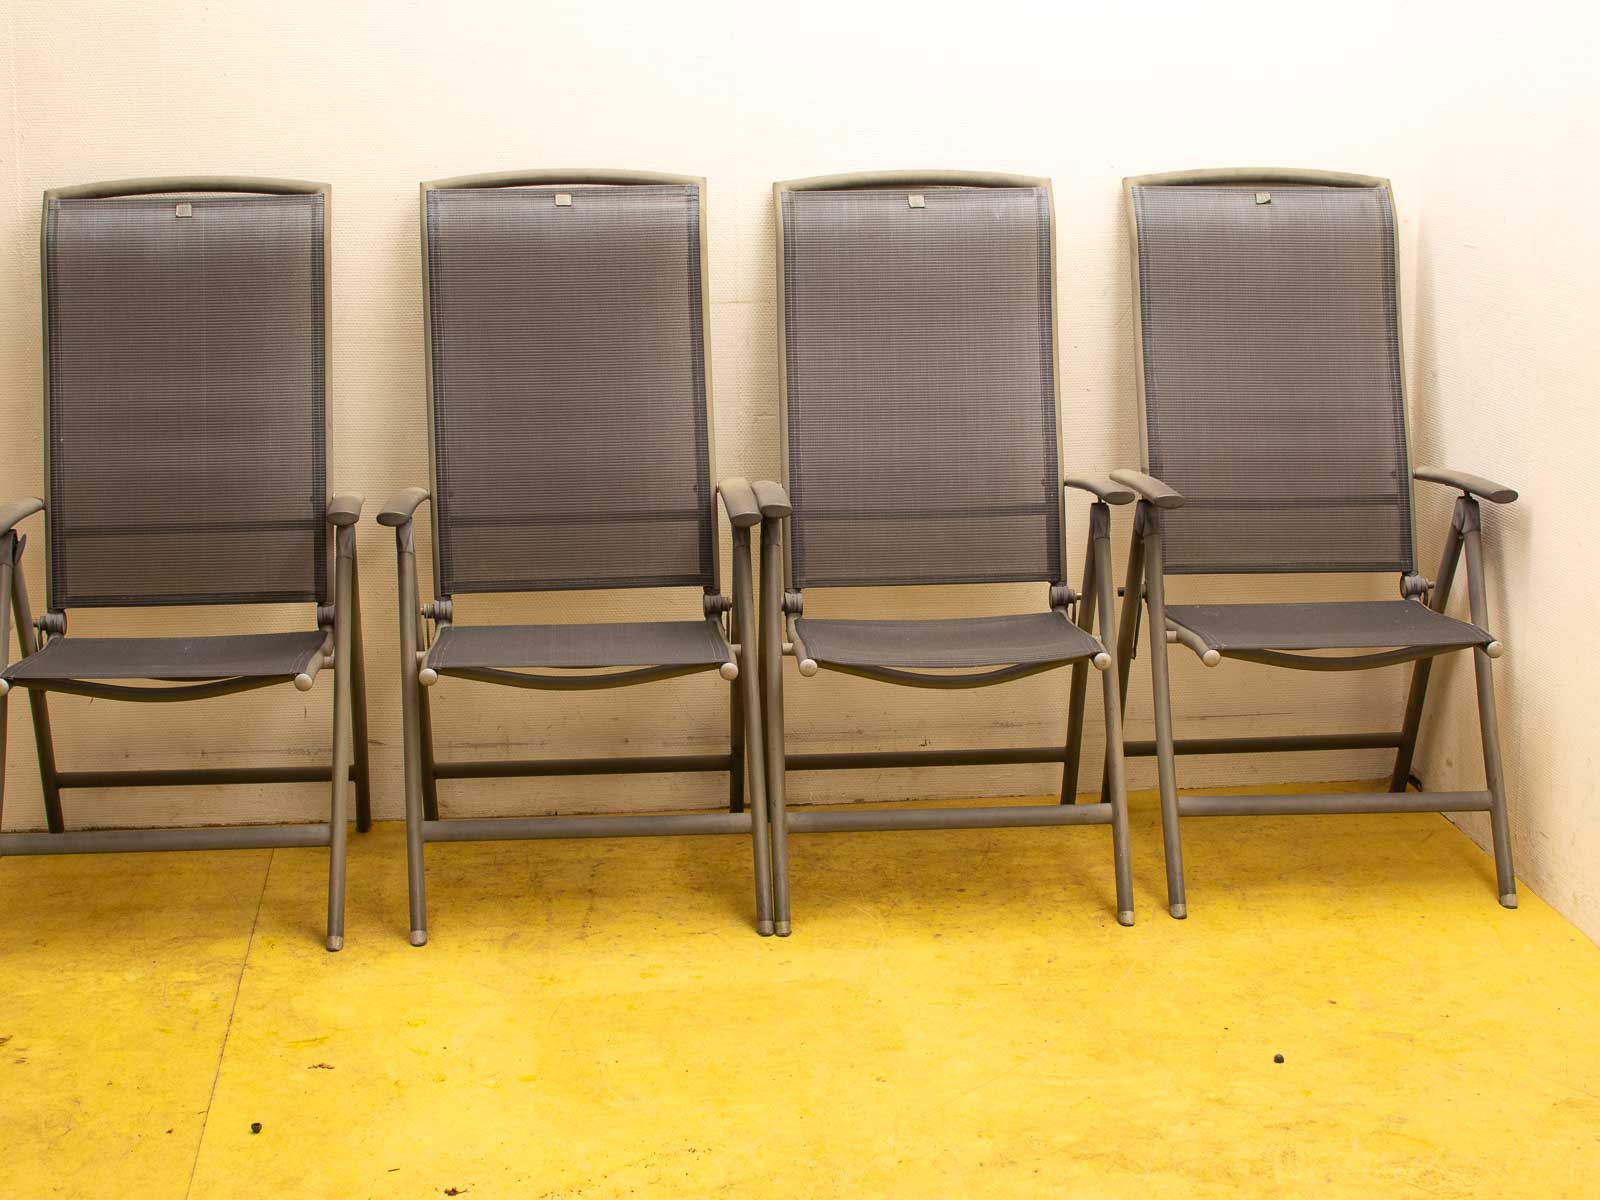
point(374, 98)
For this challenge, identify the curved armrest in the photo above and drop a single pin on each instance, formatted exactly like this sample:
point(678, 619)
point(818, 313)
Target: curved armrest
point(1149, 488)
point(345, 508)
point(401, 506)
point(1473, 485)
point(1100, 488)
point(19, 510)
point(739, 501)
point(774, 501)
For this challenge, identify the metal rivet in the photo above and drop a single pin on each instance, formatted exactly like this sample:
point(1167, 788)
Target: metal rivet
point(1263, 197)
point(563, 199)
point(185, 210)
point(916, 201)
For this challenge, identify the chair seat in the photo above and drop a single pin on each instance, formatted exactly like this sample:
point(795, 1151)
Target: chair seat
point(616, 644)
point(964, 642)
point(249, 656)
point(1348, 625)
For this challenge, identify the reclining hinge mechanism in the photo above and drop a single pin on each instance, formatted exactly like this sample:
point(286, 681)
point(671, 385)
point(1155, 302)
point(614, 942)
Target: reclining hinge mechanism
point(51, 624)
point(1063, 597)
point(438, 610)
point(716, 605)
point(324, 616)
point(1415, 587)
point(793, 603)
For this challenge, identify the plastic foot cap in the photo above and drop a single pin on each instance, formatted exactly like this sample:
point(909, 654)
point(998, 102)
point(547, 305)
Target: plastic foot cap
point(764, 928)
point(1178, 911)
point(419, 937)
point(1125, 917)
point(335, 942)
point(1509, 900)
point(781, 928)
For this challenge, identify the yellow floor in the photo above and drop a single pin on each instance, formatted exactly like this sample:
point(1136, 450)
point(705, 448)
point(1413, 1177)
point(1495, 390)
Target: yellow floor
point(958, 1014)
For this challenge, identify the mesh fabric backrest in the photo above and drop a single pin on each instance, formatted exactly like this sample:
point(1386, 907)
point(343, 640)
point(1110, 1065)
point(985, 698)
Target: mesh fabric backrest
point(1272, 376)
point(569, 402)
point(186, 397)
point(921, 386)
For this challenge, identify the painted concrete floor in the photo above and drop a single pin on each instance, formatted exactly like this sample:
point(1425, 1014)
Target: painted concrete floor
point(958, 1014)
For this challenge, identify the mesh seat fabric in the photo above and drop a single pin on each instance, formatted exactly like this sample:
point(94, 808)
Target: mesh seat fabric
point(186, 399)
point(1349, 625)
point(1272, 376)
point(963, 642)
point(253, 656)
point(617, 644)
point(921, 408)
point(567, 353)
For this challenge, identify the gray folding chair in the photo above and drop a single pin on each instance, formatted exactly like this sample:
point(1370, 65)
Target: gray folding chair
point(921, 447)
point(1274, 426)
point(571, 449)
point(185, 346)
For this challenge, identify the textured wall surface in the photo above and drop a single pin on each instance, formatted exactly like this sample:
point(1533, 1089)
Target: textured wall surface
point(374, 98)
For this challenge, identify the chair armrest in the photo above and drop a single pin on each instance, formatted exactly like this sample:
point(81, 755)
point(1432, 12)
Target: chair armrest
point(1473, 485)
point(18, 511)
point(1149, 488)
point(1100, 488)
point(401, 506)
point(739, 502)
point(774, 501)
point(345, 508)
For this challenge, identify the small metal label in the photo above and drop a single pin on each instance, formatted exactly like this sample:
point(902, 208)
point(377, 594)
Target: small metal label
point(916, 201)
point(1263, 197)
point(184, 210)
point(563, 199)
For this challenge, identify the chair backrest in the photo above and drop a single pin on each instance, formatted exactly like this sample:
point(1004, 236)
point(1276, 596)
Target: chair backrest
point(917, 323)
point(566, 316)
point(1272, 388)
point(185, 410)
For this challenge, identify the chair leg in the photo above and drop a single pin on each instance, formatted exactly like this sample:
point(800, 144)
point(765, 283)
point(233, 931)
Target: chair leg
point(1128, 624)
point(1115, 771)
point(344, 670)
point(28, 641)
point(736, 726)
point(1417, 692)
point(1488, 719)
point(745, 714)
point(771, 641)
point(430, 781)
point(1161, 688)
point(358, 704)
point(410, 702)
point(1079, 686)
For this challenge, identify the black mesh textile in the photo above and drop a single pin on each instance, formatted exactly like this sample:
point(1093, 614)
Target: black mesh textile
point(1349, 625)
point(567, 352)
point(962, 642)
point(1272, 376)
point(615, 644)
point(186, 399)
point(251, 656)
point(921, 385)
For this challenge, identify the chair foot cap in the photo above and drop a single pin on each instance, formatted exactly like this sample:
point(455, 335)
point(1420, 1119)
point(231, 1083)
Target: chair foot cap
point(764, 928)
point(335, 942)
point(781, 928)
point(1125, 917)
point(1509, 900)
point(419, 937)
point(1178, 911)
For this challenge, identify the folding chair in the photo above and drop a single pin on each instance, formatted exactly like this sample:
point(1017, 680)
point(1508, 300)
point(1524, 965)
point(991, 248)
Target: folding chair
point(1274, 429)
point(185, 344)
point(571, 449)
point(921, 447)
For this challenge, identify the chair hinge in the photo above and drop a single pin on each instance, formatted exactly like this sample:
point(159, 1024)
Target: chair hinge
point(325, 616)
point(715, 605)
point(52, 624)
point(439, 610)
point(1415, 587)
point(793, 603)
point(1062, 596)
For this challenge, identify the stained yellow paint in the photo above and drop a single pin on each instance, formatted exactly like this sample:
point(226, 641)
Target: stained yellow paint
point(958, 1014)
